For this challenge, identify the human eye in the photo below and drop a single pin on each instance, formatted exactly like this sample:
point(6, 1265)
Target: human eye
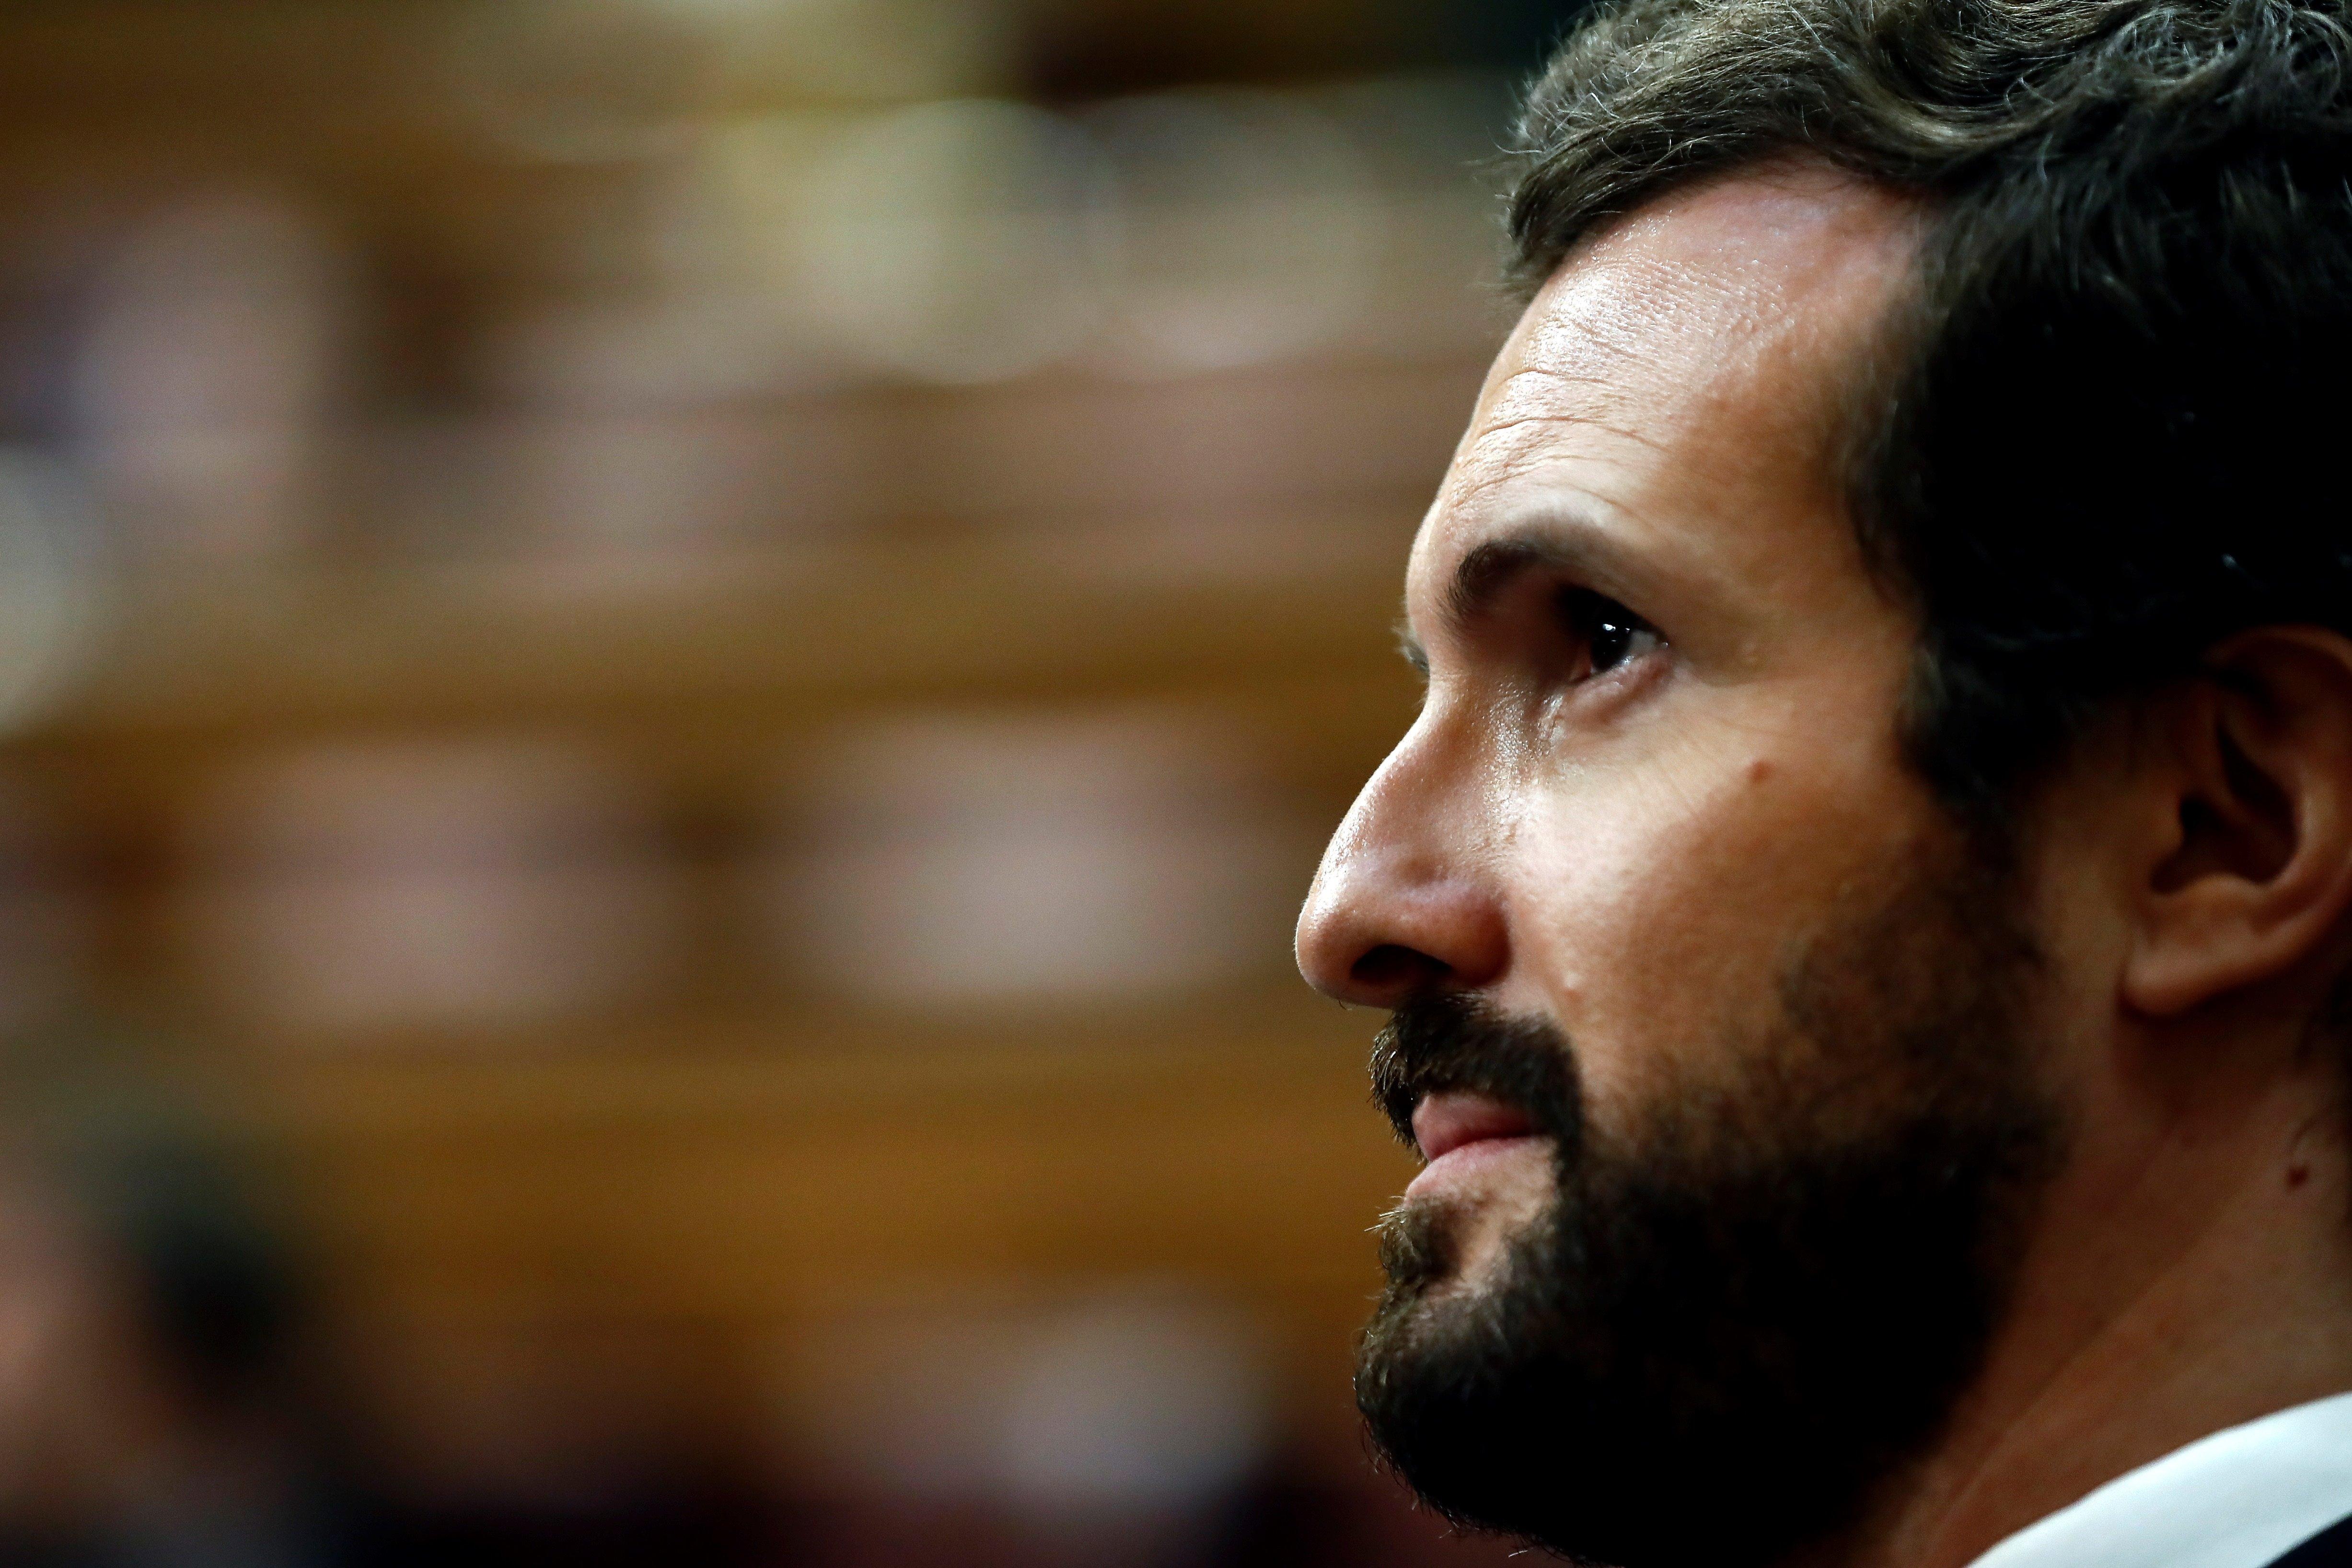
point(1608, 635)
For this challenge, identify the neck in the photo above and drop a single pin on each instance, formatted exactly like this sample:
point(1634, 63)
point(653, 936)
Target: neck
point(2183, 1278)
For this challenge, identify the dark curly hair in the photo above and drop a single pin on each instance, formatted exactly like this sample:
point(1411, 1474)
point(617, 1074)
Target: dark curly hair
point(2108, 426)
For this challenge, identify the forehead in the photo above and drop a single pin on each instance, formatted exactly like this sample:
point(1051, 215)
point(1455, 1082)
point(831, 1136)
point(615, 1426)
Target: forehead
point(1676, 379)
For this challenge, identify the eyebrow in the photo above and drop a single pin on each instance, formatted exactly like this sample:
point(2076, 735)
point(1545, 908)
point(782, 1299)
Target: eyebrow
point(1494, 565)
point(1569, 544)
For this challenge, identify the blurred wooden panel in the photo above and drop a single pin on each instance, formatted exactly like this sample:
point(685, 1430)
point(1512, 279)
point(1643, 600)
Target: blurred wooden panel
point(247, 651)
point(746, 1185)
point(746, 1173)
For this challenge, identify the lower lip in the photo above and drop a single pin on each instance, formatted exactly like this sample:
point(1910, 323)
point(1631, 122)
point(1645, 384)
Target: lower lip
point(1471, 1162)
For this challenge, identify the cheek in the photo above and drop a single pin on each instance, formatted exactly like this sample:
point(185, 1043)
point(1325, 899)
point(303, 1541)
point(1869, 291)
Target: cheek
point(1655, 908)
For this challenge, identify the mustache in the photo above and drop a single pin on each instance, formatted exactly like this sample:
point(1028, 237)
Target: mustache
point(1456, 1042)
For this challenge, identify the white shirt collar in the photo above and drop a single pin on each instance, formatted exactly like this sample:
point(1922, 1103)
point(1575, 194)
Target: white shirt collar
point(2239, 1499)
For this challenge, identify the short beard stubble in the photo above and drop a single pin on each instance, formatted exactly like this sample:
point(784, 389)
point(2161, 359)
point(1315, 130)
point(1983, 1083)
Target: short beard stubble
point(1738, 1315)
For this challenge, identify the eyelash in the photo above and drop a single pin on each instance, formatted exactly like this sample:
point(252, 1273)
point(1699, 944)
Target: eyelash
point(1608, 634)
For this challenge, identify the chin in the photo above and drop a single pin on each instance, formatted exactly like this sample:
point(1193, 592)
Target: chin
point(1764, 1297)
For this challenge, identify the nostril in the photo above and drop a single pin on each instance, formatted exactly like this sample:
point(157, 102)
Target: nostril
point(1391, 967)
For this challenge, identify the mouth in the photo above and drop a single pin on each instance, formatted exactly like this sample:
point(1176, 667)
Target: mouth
point(1451, 1120)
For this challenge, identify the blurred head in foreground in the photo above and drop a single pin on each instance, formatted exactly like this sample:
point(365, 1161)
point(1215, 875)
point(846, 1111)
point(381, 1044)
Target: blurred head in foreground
point(1865, 903)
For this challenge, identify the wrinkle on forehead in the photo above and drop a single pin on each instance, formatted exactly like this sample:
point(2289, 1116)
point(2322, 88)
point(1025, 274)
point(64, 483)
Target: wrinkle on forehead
point(1681, 309)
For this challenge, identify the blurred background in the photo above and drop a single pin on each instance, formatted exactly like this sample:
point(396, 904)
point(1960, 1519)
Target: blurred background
point(669, 672)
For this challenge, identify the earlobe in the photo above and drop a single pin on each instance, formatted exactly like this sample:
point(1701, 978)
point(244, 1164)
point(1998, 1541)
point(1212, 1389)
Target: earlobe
point(2255, 876)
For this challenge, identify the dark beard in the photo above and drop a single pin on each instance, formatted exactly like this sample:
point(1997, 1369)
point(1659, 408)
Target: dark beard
point(1734, 1320)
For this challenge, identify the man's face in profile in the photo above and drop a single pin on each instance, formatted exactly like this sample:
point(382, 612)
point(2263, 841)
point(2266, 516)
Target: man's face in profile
point(1725, 1041)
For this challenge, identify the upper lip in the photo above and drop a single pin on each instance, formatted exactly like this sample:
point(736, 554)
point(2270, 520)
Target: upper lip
point(1449, 1119)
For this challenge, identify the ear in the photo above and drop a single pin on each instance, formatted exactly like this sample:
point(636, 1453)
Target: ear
point(2252, 873)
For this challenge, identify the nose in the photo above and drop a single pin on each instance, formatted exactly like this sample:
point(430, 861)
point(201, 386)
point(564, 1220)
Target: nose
point(1402, 905)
